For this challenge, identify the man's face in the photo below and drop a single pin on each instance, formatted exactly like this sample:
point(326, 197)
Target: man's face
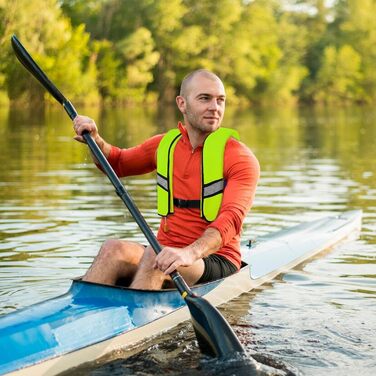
point(204, 104)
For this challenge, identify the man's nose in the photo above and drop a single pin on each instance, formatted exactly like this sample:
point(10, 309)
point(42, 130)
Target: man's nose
point(213, 105)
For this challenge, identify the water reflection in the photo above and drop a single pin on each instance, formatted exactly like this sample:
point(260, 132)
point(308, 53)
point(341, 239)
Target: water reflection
point(56, 209)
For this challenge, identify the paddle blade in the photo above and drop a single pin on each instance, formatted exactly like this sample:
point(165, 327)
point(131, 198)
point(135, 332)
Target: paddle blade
point(214, 335)
point(28, 62)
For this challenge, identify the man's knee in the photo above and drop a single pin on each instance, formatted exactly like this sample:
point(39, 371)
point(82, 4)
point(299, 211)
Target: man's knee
point(121, 250)
point(118, 250)
point(110, 247)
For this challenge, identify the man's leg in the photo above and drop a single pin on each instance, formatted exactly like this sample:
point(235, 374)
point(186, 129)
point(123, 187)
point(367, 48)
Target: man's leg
point(147, 277)
point(116, 259)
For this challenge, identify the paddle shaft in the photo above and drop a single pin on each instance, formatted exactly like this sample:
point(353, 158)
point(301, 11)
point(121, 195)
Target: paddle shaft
point(127, 199)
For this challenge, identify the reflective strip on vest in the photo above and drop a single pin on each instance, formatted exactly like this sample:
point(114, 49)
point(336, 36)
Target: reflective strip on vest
point(212, 181)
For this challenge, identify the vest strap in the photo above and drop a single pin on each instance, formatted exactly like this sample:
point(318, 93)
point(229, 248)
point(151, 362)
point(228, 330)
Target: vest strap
point(187, 204)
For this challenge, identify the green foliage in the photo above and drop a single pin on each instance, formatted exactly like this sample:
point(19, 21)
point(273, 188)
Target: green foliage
point(58, 47)
point(139, 57)
point(124, 68)
point(266, 51)
point(107, 65)
point(359, 29)
point(258, 33)
point(339, 77)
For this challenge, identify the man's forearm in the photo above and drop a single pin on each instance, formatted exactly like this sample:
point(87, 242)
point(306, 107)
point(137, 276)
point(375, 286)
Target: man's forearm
point(104, 146)
point(208, 243)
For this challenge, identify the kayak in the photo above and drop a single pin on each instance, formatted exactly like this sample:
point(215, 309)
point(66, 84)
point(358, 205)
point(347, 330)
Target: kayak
point(91, 320)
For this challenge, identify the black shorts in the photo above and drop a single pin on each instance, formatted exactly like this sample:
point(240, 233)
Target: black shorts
point(216, 267)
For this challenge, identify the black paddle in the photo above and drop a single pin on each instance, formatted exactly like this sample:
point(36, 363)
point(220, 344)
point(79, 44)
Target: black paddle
point(213, 332)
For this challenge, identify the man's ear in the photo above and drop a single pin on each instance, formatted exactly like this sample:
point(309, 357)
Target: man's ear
point(180, 101)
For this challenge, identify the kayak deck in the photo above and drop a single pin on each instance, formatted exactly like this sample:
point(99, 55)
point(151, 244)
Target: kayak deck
point(91, 320)
point(301, 242)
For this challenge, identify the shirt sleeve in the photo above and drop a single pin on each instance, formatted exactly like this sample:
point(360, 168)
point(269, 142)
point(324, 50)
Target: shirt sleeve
point(136, 160)
point(241, 173)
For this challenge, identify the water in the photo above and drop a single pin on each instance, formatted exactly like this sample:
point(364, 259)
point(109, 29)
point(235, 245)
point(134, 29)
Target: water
point(56, 209)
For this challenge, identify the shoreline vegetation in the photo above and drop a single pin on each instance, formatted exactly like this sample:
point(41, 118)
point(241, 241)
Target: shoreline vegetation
point(136, 52)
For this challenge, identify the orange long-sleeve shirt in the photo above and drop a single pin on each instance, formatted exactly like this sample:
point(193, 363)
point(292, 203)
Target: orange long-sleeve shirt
point(241, 173)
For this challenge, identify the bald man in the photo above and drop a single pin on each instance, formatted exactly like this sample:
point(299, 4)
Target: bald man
point(206, 183)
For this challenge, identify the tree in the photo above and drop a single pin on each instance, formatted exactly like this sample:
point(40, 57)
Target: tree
point(257, 53)
point(61, 50)
point(107, 64)
point(339, 77)
point(359, 31)
point(286, 81)
point(140, 57)
point(124, 43)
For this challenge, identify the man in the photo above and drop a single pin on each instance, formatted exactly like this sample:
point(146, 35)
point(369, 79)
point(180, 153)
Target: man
point(206, 184)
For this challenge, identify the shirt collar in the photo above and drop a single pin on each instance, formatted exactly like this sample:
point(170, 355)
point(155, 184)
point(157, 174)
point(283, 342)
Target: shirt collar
point(185, 136)
point(183, 130)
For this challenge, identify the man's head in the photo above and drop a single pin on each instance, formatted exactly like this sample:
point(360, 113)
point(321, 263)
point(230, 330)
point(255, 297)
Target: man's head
point(202, 101)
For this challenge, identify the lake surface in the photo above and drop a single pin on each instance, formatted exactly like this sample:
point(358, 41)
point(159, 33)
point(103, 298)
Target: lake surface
point(56, 209)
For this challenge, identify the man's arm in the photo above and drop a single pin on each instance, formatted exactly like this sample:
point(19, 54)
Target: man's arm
point(172, 258)
point(135, 160)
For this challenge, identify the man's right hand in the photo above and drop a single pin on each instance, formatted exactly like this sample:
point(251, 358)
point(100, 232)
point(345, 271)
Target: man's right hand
point(84, 123)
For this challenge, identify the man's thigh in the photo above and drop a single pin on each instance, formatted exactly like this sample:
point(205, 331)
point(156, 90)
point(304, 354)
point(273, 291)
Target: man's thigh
point(193, 273)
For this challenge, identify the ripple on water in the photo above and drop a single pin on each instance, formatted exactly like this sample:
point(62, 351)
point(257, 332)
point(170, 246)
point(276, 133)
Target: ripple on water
point(314, 321)
point(176, 353)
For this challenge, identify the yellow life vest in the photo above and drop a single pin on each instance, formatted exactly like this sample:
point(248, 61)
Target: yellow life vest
point(212, 181)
